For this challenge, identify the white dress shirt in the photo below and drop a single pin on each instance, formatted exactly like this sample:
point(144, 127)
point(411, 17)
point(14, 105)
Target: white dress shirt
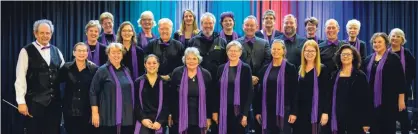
point(22, 68)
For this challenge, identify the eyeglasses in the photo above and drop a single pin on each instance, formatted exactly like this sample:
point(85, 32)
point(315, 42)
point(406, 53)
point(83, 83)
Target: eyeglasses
point(346, 54)
point(126, 31)
point(234, 51)
point(81, 51)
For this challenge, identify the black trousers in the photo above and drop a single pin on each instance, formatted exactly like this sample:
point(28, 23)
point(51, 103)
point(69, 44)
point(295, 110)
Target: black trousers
point(45, 120)
point(79, 125)
point(191, 129)
point(113, 130)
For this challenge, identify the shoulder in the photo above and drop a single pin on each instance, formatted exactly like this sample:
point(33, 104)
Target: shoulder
point(246, 66)
point(142, 77)
point(67, 65)
point(260, 40)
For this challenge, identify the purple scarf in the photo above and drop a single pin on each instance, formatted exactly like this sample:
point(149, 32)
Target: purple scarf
point(279, 96)
point(96, 57)
point(357, 43)
point(119, 96)
point(160, 102)
point(334, 124)
point(134, 61)
point(144, 41)
point(183, 95)
point(314, 112)
point(378, 77)
point(234, 35)
point(104, 41)
point(224, 92)
point(183, 38)
point(402, 57)
point(267, 38)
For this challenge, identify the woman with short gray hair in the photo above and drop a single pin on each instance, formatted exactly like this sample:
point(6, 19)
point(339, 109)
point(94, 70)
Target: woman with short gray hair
point(146, 22)
point(96, 50)
point(233, 92)
point(397, 42)
point(191, 110)
point(353, 29)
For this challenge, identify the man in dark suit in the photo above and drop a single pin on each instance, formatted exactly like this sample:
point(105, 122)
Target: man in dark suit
point(256, 51)
point(331, 45)
point(293, 41)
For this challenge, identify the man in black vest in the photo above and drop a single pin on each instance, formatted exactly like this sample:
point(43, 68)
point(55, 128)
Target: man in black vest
point(37, 85)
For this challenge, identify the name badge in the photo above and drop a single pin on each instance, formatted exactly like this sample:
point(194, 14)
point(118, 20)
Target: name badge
point(217, 47)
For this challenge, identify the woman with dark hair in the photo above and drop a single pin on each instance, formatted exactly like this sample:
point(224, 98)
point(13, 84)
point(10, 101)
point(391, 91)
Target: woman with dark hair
point(227, 24)
point(151, 108)
point(351, 97)
point(188, 28)
point(386, 78)
point(276, 99)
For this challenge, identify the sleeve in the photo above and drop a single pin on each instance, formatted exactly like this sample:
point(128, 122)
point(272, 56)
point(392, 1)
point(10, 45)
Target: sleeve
point(410, 67)
point(365, 100)
point(21, 70)
point(363, 50)
point(148, 49)
point(217, 90)
point(325, 91)
point(177, 36)
point(95, 87)
point(267, 54)
point(137, 110)
point(249, 90)
point(397, 74)
point(208, 80)
point(258, 92)
point(162, 119)
point(62, 58)
point(294, 87)
point(62, 73)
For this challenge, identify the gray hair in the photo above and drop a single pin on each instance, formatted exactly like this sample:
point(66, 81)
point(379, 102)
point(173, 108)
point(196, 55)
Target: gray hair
point(233, 43)
point(105, 15)
point(281, 42)
point(115, 45)
point(146, 13)
point(251, 17)
point(353, 22)
point(93, 23)
point(398, 32)
point(269, 12)
point(210, 15)
point(165, 20)
point(380, 34)
point(194, 51)
point(80, 44)
point(43, 21)
point(332, 20)
point(290, 16)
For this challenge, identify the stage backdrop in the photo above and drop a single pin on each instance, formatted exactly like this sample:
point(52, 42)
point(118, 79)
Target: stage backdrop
point(69, 19)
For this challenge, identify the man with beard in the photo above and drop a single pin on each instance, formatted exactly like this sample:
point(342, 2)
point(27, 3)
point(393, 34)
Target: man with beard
point(331, 45)
point(293, 41)
point(269, 33)
point(107, 21)
point(311, 26)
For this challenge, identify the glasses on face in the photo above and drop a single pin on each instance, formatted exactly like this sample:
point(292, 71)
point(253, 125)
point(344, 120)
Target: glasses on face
point(81, 50)
point(346, 54)
point(147, 20)
point(309, 51)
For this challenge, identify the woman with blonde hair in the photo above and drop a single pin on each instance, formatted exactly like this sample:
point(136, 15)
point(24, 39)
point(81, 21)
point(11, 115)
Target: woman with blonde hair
point(314, 102)
point(188, 27)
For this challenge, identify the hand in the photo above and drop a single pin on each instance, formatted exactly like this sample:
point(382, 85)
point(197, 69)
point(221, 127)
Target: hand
point(215, 117)
point(23, 109)
point(156, 126)
point(208, 123)
point(366, 129)
point(147, 123)
point(402, 105)
point(95, 119)
point(324, 119)
point(244, 121)
point(292, 119)
point(254, 80)
point(165, 77)
point(258, 118)
point(170, 121)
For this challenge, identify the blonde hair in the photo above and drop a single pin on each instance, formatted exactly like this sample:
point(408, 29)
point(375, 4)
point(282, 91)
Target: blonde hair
point(93, 23)
point(119, 33)
point(317, 61)
point(398, 32)
point(105, 15)
point(183, 25)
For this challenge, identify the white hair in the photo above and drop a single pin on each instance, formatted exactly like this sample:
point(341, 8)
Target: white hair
point(233, 43)
point(93, 23)
point(43, 21)
point(210, 15)
point(115, 45)
point(332, 20)
point(398, 32)
point(165, 20)
point(252, 17)
point(353, 22)
point(146, 13)
point(194, 51)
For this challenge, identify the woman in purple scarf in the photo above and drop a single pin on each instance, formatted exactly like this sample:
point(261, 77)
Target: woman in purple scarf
point(313, 98)
point(151, 108)
point(352, 105)
point(96, 50)
point(188, 28)
point(134, 56)
point(275, 103)
point(397, 42)
point(146, 22)
point(190, 108)
point(112, 95)
point(234, 92)
point(227, 24)
point(386, 78)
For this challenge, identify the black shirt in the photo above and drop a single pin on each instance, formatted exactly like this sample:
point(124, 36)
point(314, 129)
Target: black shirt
point(169, 55)
point(127, 60)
